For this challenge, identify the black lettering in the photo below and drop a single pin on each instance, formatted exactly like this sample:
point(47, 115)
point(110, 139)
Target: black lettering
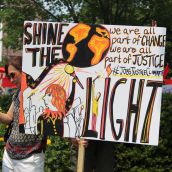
point(28, 38)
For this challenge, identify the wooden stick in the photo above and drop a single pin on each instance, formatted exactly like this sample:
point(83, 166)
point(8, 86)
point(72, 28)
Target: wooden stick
point(81, 156)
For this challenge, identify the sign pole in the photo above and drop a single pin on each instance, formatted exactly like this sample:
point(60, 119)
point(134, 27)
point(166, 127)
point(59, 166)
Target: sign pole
point(81, 155)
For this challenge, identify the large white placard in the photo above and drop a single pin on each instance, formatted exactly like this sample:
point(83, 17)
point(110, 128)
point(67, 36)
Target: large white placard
point(94, 81)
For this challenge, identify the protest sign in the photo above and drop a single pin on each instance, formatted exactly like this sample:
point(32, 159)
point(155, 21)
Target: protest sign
point(99, 82)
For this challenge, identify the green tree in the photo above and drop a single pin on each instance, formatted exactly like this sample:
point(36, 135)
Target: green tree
point(122, 12)
point(13, 13)
point(58, 155)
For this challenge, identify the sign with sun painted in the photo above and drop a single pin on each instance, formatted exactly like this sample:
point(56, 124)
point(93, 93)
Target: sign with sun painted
point(101, 82)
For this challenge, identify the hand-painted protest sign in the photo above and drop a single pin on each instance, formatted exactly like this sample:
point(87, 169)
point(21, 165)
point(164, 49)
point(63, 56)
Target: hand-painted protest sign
point(94, 81)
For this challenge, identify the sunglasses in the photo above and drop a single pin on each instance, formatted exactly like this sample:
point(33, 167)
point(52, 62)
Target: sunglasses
point(11, 75)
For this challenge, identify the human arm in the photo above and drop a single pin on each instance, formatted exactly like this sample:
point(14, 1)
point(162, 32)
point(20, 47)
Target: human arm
point(6, 118)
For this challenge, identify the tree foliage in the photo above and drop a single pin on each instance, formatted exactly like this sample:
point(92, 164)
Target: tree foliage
point(119, 12)
point(13, 13)
point(57, 157)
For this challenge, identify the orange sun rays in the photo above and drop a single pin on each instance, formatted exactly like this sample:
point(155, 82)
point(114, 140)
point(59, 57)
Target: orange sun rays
point(57, 75)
